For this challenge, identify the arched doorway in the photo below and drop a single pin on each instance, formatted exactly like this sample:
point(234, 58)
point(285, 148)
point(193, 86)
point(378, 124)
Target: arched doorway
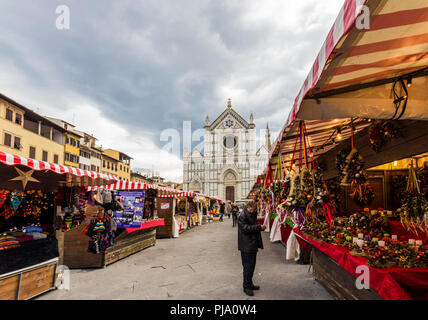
point(230, 185)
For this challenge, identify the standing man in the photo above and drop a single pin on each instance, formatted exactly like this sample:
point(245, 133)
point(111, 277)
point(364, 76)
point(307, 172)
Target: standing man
point(235, 211)
point(222, 211)
point(249, 241)
point(228, 209)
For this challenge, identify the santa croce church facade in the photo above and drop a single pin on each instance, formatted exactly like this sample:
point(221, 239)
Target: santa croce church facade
point(230, 162)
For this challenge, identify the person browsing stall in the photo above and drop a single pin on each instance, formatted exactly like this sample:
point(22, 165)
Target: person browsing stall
point(249, 241)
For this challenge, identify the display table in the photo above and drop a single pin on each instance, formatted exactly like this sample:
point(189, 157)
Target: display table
point(147, 224)
point(393, 283)
point(76, 253)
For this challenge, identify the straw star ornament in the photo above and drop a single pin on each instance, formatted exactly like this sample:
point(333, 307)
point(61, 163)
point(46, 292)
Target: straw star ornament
point(25, 177)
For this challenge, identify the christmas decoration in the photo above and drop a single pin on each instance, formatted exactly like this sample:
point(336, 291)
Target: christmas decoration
point(380, 132)
point(414, 207)
point(354, 176)
point(24, 177)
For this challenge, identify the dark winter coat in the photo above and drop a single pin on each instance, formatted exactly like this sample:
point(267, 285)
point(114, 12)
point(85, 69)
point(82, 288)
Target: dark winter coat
point(249, 232)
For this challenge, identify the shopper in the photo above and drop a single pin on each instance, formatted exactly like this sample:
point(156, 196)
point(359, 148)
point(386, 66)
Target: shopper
point(235, 212)
point(249, 241)
point(229, 209)
point(222, 211)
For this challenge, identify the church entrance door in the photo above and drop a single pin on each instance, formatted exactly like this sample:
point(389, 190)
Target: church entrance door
point(230, 193)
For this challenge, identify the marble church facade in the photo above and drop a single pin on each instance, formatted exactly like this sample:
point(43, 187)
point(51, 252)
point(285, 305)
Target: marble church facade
point(229, 163)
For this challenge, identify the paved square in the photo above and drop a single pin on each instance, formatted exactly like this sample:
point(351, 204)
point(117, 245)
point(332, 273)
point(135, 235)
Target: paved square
point(203, 263)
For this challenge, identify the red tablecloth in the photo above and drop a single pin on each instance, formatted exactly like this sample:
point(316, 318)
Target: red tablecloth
point(391, 283)
point(397, 228)
point(285, 233)
point(146, 225)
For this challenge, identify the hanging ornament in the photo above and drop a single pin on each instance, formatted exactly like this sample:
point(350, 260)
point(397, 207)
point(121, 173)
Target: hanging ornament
point(381, 132)
point(414, 206)
point(354, 175)
point(25, 177)
point(16, 199)
point(3, 197)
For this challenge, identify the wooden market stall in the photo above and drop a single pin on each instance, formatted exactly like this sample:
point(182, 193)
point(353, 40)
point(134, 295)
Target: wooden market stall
point(361, 112)
point(181, 211)
point(133, 226)
point(31, 196)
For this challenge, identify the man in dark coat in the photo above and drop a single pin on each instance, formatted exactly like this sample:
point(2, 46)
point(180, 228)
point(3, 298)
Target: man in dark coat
point(222, 211)
point(235, 211)
point(249, 241)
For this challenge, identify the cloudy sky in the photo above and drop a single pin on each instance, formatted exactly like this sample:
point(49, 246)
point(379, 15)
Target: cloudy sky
point(127, 70)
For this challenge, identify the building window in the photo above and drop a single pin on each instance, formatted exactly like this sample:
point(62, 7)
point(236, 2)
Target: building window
point(32, 153)
point(45, 156)
point(17, 144)
point(9, 115)
point(120, 167)
point(18, 118)
point(56, 158)
point(108, 165)
point(7, 139)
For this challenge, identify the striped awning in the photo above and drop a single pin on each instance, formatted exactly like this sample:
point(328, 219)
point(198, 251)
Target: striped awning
point(163, 192)
point(128, 185)
point(73, 176)
point(178, 195)
point(356, 70)
point(321, 137)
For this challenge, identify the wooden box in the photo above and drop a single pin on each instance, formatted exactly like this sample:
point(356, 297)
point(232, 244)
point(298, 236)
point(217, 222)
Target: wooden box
point(29, 282)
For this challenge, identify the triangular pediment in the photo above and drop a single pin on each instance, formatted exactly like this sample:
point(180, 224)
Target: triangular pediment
point(196, 153)
point(262, 151)
point(230, 119)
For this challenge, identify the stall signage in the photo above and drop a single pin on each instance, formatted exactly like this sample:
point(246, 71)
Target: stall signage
point(165, 206)
point(132, 215)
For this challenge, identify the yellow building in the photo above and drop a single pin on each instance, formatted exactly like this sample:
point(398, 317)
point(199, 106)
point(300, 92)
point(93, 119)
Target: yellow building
point(71, 143)
point(26, 133)
point(117, 163)
point(138, 177)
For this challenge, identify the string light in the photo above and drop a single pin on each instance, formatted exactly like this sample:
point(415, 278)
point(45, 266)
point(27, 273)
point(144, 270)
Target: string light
point(339, 136)
point(409, 82)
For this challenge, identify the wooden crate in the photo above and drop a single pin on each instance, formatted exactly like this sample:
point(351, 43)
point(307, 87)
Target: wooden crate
point(28, 283)
point(9, 288)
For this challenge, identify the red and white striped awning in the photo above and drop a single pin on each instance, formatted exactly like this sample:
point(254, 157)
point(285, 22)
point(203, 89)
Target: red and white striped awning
point(354, 72)
point(73, 176)
point(178, 195)
point(128, 185)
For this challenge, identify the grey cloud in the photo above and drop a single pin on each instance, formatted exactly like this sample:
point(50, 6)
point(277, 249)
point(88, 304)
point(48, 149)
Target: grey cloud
point(152, 64)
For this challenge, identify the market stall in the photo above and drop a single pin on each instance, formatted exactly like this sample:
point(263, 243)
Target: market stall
point(353, 138)
point(181, 211)
point(31, 196)
point(121, 219)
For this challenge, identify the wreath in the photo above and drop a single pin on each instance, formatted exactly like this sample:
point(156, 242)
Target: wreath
point(354, 176)
point(380, 132)
point(414, 206)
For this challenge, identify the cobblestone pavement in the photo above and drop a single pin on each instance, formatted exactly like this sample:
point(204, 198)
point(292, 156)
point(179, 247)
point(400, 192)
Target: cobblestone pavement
point(203, 263)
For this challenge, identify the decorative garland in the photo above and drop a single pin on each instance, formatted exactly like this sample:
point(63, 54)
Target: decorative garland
point(354, 176)
point(381, 132)
point(321, 202)
point(414, 206)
